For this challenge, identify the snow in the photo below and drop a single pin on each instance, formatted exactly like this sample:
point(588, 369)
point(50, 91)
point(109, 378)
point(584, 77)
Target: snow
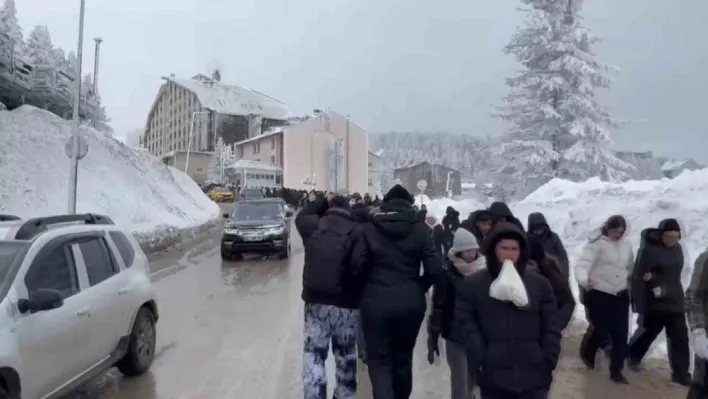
point(234, 100)
point(575, 211)
point(130, 186)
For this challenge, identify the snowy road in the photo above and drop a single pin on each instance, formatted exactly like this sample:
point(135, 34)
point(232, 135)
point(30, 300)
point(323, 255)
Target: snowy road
point(233, 330)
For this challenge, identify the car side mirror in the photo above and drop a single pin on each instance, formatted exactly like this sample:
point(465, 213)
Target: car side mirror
point(41, 300)
point(288, 213)
point(226, 216)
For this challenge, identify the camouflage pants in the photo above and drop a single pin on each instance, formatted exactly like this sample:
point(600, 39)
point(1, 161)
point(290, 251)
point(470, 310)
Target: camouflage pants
point(325, 324)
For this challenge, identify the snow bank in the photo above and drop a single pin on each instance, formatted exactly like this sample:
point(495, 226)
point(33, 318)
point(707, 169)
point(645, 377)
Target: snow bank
point(130, 186)
point(576, 210)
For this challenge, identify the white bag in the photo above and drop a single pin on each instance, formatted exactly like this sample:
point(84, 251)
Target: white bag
point(509, 287)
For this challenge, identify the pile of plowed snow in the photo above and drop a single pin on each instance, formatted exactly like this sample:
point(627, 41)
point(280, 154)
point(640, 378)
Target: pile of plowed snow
point(128, 185)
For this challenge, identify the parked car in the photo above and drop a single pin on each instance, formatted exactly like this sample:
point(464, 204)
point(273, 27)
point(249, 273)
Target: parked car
point(258, 226)
point(76, 299)
point(221, 194)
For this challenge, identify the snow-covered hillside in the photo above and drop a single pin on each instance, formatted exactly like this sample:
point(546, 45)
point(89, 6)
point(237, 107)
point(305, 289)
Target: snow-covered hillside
point(126, 184)
point(576, 210)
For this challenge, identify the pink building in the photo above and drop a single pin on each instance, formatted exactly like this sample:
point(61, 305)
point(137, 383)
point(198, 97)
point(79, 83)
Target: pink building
point(327, 152)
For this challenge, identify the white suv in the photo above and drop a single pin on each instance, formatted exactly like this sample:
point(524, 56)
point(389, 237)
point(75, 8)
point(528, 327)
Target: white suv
point(75, 299)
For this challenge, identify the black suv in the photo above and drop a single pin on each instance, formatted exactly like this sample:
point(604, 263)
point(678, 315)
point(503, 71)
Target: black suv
point(257, 226)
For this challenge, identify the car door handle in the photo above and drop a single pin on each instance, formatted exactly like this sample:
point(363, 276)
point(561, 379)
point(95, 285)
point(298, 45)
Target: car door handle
point(84, 313)
point(123, 291)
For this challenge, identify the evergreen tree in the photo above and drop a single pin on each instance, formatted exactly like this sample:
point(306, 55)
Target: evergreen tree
point(39, 48)
point(557, 126)
point(10, 26)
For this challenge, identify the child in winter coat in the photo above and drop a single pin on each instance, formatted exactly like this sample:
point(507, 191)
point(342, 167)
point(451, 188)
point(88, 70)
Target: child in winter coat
point(463, 259)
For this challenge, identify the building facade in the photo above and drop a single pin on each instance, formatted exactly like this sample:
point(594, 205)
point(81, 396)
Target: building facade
point(374, 167)
point(326, 152)
point(189, 114)
point(197, 165)
point(439, 178)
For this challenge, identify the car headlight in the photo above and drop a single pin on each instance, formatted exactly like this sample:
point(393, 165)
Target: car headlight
point(276, 230)
point(230, 231)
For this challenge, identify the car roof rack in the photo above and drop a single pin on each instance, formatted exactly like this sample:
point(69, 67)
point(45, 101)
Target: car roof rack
point(35, 226)
point(9, 218)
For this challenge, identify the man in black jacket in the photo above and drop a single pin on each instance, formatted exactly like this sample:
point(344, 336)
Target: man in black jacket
point(552, 244)
point(516, 347)
point(393, 303)
point(450, 224)
point(479, 223)
point(658, 298)
point(332, 284)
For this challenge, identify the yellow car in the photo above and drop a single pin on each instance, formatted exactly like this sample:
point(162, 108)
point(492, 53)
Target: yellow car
point(221, 194)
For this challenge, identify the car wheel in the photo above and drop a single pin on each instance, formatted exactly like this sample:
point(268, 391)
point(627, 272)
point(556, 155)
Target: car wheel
point(141, 348)
point(225, 255)
point(286, 253)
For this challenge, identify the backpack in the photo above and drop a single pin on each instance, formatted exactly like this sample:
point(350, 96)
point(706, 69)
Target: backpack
point(327, 259)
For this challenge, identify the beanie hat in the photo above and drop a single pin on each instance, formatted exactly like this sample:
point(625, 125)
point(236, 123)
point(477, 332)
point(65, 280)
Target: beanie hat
point(669, 225)
point(398, 191)
point(463, 241)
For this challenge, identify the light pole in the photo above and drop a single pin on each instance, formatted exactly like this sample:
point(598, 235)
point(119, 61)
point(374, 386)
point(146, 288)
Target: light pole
point(74, 168)
point(191, 133)
point(98, 41)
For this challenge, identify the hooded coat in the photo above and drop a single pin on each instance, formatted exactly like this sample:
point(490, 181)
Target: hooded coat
point(501, 212)
point(470, 224)
point(666, 265)
point(516, 348)
point(550, 240)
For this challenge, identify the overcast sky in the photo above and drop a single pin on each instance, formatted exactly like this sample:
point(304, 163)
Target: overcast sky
point(390, 64)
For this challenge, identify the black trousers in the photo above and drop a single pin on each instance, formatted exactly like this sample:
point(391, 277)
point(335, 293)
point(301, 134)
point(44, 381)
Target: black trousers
point(609, 316)
point(650, 326)
point(699, 386)
point(390, 332)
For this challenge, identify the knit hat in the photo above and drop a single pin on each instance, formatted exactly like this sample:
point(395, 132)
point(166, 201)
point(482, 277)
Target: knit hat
point(669, 225)
point(463, 241)
point(398, 191)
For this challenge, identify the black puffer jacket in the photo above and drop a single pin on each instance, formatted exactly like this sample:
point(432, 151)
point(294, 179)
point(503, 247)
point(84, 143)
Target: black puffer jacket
point(665, 264)
point(395, 243)
point(501, 213)
point(306, 223)
point(517, 348)
point(443, 301)
point(550, 240)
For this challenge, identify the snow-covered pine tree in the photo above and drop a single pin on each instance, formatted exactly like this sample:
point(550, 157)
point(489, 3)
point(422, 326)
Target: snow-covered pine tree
point(39, 47)
point(222, 157)
point(10, 26)
point(557, 126)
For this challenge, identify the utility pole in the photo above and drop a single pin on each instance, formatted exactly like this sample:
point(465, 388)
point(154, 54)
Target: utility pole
point(74, 167)
point(98, 41)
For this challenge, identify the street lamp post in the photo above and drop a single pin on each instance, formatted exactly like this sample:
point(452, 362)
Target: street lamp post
point(74, 167)
point(191, 133)
point(98, 41)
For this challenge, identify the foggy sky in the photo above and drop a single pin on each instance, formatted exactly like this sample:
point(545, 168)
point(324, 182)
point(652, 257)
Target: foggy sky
point(390, 64)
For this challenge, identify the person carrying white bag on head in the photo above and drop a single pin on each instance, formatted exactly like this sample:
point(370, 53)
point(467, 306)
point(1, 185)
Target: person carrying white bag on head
point(506, 319)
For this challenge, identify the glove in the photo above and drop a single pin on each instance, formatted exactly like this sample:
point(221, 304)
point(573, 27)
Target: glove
point(700, 343)
point(434, 349)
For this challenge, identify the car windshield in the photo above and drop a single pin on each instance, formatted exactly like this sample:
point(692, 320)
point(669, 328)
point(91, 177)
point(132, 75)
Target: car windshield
point(257, 211)
point(8, 253)
point(252, 193)
point(222, 190)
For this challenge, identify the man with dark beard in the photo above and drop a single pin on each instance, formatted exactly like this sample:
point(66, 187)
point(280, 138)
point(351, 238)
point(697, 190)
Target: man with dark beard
point(393, 303)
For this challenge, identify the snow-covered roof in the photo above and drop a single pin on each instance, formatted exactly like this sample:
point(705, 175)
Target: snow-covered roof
point(233, 99)
point(268, 133)
point(375, 154)
point(673, 164)
point(248, 164)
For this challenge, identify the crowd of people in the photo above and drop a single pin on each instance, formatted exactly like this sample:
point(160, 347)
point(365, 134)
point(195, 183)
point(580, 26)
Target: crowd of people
point(500, 302)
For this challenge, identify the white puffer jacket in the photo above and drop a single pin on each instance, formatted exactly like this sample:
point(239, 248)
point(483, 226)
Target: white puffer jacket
point(609, 263)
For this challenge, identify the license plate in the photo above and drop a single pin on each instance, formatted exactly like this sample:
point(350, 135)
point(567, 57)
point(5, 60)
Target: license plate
point(253, 238)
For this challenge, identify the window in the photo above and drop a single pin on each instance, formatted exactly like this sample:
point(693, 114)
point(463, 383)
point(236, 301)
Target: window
point(99, 266)
point(370, 182)
point(272, 159)
point(272, 143)
point(55, 271)
point(371, 164)
point(256, 148)
point(125, 248)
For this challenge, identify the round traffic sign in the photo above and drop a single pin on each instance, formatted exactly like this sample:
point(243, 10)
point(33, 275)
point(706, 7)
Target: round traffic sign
point(82, 150)
point(422, 185)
